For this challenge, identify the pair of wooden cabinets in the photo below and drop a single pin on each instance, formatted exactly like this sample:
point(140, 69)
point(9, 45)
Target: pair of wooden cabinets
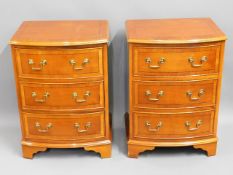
point(61, 71)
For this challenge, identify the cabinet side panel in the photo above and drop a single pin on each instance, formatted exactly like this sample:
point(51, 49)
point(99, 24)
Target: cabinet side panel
point(14, 55)
point(219, 85)
point(130, 57)
point(106, 96)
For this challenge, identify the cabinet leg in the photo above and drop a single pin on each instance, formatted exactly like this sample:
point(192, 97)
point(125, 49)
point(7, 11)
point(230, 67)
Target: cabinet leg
point(104, 150)
point(135, 150)
point(29, 151)
point(210, 148)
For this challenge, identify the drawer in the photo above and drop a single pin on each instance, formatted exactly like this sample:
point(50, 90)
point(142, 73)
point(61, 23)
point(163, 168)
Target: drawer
point(64, 127)
point(59, 63)
point(80, 96)
point(173, 126)
point(151, 61)
point(174, 94)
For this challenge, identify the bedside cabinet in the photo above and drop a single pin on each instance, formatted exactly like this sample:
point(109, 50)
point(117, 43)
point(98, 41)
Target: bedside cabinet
point(61, 72)
point(175, 73)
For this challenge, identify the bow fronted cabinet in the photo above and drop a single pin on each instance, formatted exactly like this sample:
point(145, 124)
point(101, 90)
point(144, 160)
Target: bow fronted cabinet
point(61, 73)
point(175, 74)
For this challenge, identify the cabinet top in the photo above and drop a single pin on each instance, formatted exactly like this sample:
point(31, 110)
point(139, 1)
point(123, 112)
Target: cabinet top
point(61, 33)
point(173, 31)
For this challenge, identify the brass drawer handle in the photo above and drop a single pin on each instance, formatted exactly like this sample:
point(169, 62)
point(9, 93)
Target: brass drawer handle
point(157, 127)
point(149, 61)
point(87, 126)
point(85, 96)
point(48, 126)
point(73, 63)
point(200, 93)
point(42, 64)
point(43, 100)
point(149, 93)
point(202, 61)
point(188, 125)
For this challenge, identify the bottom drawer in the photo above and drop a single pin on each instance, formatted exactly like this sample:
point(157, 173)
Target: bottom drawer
point(173, 126)
point(64, 127)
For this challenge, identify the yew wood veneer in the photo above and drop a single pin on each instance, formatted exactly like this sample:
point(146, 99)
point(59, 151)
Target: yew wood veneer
point(175, 73)
point(61, 72)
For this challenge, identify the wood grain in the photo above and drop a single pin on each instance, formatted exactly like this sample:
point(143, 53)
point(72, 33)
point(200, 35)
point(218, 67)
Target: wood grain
point(173, 31)
point(29, 151)
point(210, 148)
point(61, 33)
point(57, 57)
point(61, 96)
point(51, 115)
point(173, 126)
point(157, 120)
point(175, 94)
point(176, 60)
point(104, 150)
point(64, 127)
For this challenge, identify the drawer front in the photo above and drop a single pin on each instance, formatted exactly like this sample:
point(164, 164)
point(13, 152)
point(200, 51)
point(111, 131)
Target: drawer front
point(174, 94)
point(80, 96)
point(59, 63)
point(64, 127)
point(178, 61)
point(173, 126)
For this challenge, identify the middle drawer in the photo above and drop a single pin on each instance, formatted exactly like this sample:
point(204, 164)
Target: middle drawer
point(80, 96)
point(150, 94)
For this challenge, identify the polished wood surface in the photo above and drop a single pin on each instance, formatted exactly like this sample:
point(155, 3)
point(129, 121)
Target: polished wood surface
point(63, 90)
point(79, 96)
point(61, 33)
point(210, 148)
point(104, 150)
point(175, 94)
point(78, 127)
point(174, 83)
point(133, 150)
point(173, 31)
point(29, 151)
point(173, 126)
point(76, 63)
point(177, 60)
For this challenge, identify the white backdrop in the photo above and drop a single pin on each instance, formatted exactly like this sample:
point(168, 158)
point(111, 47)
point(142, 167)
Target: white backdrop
point(13, 12)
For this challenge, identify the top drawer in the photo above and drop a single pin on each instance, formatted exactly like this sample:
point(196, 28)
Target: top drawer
point(152, 61)
point(59, 63)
